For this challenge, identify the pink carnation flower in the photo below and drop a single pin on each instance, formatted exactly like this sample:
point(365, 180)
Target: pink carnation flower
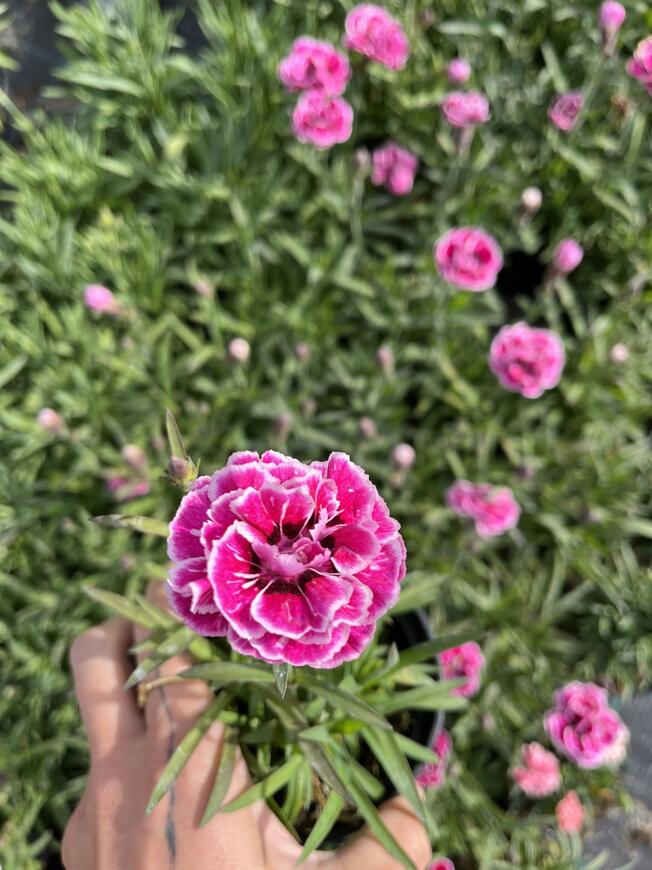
point(585, 728)
point(527, 360)
point(565, 110)
point(568, 256)
point(458, 71)
point(540, 774)
point(464, 661)
point(465, 108)
point(441, 864)
point(469, 258)
point(373, 32)
point(100, 299)
point(434, 775)
point(395, 167)
point(315, 65)
point(611, 16)
point(640, 66)
point(324, 121)
point(495, 511)
point(293, 563)
point(570, 813)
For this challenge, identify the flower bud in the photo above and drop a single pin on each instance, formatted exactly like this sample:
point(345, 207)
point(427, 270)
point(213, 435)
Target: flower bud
point(204, 288)
point(367, 428)
point(180, 471)
point(619, 353)
point(567, 257)
point(239, 350)
point(302, 351)
point(385, 360)
point(102, 300)
point(611, 16)
point(134, 456)
point(51, 421)
point(403, 456)
point(531, 200)
point(362, 160)
point(458, 71)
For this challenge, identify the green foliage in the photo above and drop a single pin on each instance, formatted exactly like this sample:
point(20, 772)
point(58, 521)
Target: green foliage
point(176, 171)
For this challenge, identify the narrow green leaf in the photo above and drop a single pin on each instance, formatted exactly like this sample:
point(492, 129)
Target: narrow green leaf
point(281, 675)
point(177, 642)
point(424, 698)
point(175, 440)
point(323, 826)
point(316, 734)
point(344, 701)
point(268, 786)
point(122, 606)
point(428, 650)
point(373, 786)
point(185, 749)
point(416, 750)
point(223, 775)
point(223, 673)
point(146, 525)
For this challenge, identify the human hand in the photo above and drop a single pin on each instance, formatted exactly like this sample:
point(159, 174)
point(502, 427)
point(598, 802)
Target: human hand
point(129, 748)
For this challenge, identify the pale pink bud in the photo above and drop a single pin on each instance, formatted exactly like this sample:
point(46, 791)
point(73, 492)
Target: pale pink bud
point(385, 359)
point(568, 255)
point(302, 351)
point(570, 813)
point(367, 428)
point(403, 456)
point(100, 299)
point(51, 421)
point(531, 200)
point(362, 160)
point(619, 353)
point(459, 71)
point(239, 350)
point(611, 16)
point(134, 456)
point(180, 470)
point(204, 288)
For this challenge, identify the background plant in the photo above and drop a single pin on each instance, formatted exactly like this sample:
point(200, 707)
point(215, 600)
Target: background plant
point(175, 171)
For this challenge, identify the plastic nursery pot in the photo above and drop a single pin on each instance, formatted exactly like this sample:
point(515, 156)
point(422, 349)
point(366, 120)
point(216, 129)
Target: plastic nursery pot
point(405, 630)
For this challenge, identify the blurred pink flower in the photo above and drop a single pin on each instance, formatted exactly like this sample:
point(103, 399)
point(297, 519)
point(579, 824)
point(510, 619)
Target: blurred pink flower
point(468, 258)
point(619, 353)
point(321, 120)
point(531, 200)
point(585, 728)
point(124, 489)
point(51, 421)
point(100, 299)
point(134, 456)
point(403, 456)
point(302, 351)
point(494, 510)
point(565, 109)
point(527, 360)
point(465, 108)
point(640, 66)
point(441, 864)
point(367, 428)
point(570, 813)
point(568, 256)
point(611, 16)
point(395, 167)
point(373, 32)
point(464, 661)
point(540, 775)
point(434, 775)
point(458, 71)
point(293, 563)
point(314, 64)
point(239, 350)
point(385, 359)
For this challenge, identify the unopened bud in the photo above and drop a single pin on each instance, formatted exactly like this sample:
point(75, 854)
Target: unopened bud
point(531, 200)
point(283, 423)
point(362, 160)
point(239, 350)
point(619, 353)
point(204, 288)
point(403, 456)
point(302, 351)
point(367, 428)
point(385, 360)
point(181, 471)
point(51, 421)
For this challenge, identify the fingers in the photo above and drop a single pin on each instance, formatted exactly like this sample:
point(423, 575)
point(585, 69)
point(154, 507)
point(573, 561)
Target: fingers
point(100, 666)
point(408, 831)
point(174, 707)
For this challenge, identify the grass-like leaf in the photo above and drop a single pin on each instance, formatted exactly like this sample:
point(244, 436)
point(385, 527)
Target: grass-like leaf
point(424, 698)
point(177, 642)
point(268, 786)
point(122, 606)
point(323, 826)
point(428, 650)
point(343, 701)
point(223, 776)
point(223, 673)
point(281, 675)
point(415, 750)
point(184, 750)
point(146, 525)
point(175, 439)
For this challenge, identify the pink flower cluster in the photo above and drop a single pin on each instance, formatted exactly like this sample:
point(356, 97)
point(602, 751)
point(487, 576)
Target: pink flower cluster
point(565, 110)
point(313, 64)
point(539, 776)
point(322, 120)
point(640, 66)
point(527, 360)
point(469, 258)
point(465, 108)
point(293, 563)
point(373, 32)
point(585, 728)
point(463, 662)
point(495, 511)
point(394, 167)
point(434, 775)
point(570, 813)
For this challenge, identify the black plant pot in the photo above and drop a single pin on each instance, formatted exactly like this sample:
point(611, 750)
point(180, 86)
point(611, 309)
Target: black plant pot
point(405, 630)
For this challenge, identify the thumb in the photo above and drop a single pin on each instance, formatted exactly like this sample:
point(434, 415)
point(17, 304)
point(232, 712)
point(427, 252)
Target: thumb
point(407, 830)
